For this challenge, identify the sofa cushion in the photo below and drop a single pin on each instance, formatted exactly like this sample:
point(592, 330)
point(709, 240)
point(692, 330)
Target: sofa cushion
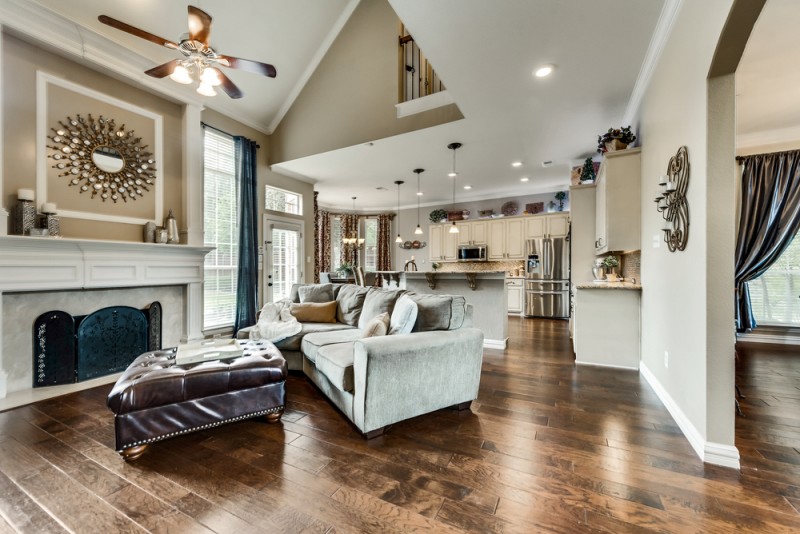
point(350, 301)
point(336, 363)
point(293, 343)
point(377, 301)
point(378, 326)
point(315, 312)
point(404, 316)
point(439, 312)
point(294, 292)
point(313, 342)
point(316, 293)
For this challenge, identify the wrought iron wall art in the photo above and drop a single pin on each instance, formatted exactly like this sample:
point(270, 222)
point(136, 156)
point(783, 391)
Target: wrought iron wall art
point(99, 157)
point(671, 201)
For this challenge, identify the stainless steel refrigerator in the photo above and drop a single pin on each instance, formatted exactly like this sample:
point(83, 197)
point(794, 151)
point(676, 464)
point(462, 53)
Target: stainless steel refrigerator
point(547, 277)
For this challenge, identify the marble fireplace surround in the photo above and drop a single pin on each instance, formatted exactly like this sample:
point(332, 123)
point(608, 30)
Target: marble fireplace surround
point(42, 265)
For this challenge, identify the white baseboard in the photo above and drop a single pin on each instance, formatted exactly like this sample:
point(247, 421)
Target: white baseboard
point(495, 343)
point(607, 365)
point(775, 339)
point(713, 453)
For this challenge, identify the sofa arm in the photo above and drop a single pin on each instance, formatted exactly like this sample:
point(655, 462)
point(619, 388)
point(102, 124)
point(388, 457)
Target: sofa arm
point(401, 376)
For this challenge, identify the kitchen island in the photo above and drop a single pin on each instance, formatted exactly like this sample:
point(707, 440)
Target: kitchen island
point(484, 290)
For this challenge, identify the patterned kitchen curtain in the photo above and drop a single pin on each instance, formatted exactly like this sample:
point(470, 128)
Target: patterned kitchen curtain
point(322, 243)
point(385, 240)
point(349, 228)
point(769, 220)
point(247, 275)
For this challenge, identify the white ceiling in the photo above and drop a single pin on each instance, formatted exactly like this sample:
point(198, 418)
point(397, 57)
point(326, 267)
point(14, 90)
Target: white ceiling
point(484, 51)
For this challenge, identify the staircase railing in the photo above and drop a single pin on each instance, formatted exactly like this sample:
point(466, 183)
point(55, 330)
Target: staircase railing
point(417, 77)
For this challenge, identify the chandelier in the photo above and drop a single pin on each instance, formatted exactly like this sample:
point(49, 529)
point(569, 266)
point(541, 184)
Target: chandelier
point(353, 239)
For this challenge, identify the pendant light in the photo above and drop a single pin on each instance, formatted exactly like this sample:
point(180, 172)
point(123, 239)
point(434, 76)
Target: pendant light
point(418, 231)
point(399, 183)
point(453, 174)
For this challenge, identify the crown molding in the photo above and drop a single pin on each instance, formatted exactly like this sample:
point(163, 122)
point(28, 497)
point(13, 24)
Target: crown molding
point(666, 21)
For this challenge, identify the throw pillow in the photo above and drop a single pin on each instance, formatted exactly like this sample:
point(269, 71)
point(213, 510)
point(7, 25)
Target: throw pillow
point(316, 293)
point(404, 316)
point(376, 302)
point(439, 312)
point(315, 312)
point(377, 326)
point(350, 300)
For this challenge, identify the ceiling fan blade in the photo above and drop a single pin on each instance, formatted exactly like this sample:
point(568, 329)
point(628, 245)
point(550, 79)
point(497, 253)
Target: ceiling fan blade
point(256, 67)
point(163, 70)
point(118, 24)
point(227, 85)
point(199, 25)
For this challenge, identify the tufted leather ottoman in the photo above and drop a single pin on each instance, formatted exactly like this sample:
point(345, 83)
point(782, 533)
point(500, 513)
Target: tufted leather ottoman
point(155, 399)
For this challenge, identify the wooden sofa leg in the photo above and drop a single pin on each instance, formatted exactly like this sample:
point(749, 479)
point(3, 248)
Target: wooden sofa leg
point(460, 406)
point(132, 453)
point(375, 433)
point(274, 417)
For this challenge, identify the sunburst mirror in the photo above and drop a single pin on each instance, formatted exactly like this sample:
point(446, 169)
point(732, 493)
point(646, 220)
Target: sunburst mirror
point(100, 158)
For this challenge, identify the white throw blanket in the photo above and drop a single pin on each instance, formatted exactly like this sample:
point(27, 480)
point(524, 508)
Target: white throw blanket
point(276, 322)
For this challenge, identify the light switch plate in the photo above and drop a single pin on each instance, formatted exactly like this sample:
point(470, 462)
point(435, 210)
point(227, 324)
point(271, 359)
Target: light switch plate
point(656, 241)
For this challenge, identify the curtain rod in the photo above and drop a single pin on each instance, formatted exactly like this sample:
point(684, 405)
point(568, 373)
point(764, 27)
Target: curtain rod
point(206, 125)
point(740, 158)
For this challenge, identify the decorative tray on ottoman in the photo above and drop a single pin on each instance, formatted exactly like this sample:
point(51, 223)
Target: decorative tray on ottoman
point(207, 351)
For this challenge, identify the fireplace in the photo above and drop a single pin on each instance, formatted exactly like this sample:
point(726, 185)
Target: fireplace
point(68, 349)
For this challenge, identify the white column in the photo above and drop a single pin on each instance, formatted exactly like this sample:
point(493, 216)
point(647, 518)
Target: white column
point(192, 312)
point(3, 373)
point(192, 234)
point(3, 211)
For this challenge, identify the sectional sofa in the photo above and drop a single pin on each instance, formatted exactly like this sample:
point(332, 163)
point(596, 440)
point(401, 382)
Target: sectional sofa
point(430, 357)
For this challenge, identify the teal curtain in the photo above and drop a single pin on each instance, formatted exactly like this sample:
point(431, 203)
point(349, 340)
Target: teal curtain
point(247, 279)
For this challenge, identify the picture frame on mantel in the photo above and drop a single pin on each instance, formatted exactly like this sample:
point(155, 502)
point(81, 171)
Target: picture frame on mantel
point(57, 99)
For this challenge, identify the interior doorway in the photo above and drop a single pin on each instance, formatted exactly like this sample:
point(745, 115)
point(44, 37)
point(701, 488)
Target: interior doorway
point(283, 253)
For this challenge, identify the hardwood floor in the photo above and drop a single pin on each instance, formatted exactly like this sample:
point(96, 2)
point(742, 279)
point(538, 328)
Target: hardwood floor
point(547, 447)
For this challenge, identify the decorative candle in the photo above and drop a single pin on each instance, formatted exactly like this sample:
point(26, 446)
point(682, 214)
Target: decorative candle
point(668, 226)
point(49, 207)
point(671, 186)
point(25, 194)
point(663, 180)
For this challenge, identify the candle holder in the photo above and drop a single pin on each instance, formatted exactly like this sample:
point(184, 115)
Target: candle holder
point(24, 215)
point(671, 201)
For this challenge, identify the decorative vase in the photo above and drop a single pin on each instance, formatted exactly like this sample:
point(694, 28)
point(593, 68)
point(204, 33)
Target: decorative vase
point(53, 224)
point(150, 232)
point(615, 144)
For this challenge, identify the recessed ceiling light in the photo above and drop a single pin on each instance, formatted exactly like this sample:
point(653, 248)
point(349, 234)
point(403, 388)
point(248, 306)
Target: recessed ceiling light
point(467, 187)
point(420, 193)
point(517, 164)
point(544, 70)
point(524, 179)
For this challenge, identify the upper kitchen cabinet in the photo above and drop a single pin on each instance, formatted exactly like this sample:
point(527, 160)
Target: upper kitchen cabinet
point(506, 239)
point(553, 225)
point(618, 210)
point(472, 232)
point(441, 243)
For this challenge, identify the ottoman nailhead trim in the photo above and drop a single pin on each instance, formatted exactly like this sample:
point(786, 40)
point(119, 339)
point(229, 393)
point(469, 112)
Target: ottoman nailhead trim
point(202, 427)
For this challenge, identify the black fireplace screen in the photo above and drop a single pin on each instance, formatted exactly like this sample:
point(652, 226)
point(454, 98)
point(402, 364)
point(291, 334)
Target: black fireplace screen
point(68, 349)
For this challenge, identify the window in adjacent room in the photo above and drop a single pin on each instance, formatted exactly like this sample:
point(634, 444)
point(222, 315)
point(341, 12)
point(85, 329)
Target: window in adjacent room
point(370, 244)
point(283, 201)
point(220, 229)
point(774, 294)
point(336, 244)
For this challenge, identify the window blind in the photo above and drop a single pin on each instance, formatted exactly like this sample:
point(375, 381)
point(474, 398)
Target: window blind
point(220, 229)
point(773, 295)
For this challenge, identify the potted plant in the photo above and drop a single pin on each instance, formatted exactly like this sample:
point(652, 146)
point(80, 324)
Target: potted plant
point(438, 216)
point(615, 139)
point(345, 269)
point(435, 266)
point(560, 196)
point(611, 263)
point(587, 175)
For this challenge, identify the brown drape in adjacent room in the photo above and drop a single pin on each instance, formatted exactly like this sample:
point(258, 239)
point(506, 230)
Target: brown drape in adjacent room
point(385, 240)
point(322, 241)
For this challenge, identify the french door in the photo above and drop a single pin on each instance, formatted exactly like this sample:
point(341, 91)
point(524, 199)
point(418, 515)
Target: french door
point(283, 240)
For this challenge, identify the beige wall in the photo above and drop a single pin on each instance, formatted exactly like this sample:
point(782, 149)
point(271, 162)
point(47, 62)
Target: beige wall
point(679, 302)
point(20, 62)
point(351, 96)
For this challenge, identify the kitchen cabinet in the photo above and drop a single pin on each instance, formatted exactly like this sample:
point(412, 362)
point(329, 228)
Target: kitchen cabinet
point(554, 225)
point(606, 327)
point(471, 232)
point(515, 294)
point(618, 202)
point(506, 239)
point(441, 243)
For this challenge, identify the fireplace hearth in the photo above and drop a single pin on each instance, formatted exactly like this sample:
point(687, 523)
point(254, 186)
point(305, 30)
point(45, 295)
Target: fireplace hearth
point(69, 349)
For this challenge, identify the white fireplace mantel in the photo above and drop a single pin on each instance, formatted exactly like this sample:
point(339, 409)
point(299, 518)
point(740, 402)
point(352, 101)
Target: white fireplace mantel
point(47, 264)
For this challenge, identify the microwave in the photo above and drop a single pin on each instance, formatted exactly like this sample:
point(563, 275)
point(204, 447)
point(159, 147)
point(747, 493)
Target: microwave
point(472, 253)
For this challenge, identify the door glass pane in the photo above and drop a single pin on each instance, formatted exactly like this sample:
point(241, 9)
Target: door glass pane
point(285, 262)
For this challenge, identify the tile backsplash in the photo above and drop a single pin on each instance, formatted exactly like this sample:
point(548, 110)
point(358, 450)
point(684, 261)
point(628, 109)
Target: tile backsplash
point(632, 265)
point(462, 267)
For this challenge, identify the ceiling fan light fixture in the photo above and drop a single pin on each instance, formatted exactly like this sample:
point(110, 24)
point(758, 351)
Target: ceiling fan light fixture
point(181, 75)
point(210, 77)
point(206, 89)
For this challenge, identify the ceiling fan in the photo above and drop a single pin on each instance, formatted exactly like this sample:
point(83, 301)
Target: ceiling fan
point(200, 60)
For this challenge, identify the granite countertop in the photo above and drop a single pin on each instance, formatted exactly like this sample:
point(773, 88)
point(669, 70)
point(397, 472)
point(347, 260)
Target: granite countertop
point(608, 285)
point(440, 273)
